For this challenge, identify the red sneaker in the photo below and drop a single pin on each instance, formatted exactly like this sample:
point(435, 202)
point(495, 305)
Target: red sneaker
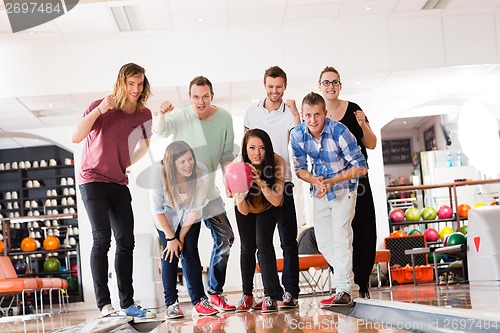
point(203, 308)
point(220, 303)
point(340, 298)
point(245, 304)
point(289, 302)
point(257, 306)
point(269, 305)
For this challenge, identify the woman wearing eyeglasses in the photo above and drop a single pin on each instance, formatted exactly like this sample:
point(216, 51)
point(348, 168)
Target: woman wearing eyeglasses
point(364, 223)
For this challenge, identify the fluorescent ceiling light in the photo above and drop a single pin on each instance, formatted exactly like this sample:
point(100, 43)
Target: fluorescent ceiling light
point(128, 18)
point(435, 4)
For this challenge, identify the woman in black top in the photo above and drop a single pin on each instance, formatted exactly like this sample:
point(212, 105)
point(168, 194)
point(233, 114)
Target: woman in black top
point(364, 222)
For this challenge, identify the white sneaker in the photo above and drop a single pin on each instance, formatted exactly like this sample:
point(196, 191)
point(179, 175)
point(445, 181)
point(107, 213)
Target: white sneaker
point(108, 311)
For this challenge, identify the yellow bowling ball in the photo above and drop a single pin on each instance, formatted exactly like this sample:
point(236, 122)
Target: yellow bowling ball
point(445, 232)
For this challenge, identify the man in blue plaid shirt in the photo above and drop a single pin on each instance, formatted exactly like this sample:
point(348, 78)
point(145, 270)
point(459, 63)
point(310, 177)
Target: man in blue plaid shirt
point(337, 164)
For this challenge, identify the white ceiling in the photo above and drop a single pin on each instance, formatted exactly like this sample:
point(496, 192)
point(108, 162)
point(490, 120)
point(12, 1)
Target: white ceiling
point(94, 19)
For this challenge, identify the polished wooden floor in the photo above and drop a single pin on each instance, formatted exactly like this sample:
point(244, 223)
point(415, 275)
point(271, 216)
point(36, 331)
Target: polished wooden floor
point(461, 300)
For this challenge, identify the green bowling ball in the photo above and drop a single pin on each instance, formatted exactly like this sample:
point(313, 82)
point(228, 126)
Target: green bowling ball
point(414, 232)
point(456, 238)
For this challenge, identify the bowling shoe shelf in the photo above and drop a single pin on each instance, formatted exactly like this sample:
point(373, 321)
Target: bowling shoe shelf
point(38, 199)
point(452, 188)
point(35, 192)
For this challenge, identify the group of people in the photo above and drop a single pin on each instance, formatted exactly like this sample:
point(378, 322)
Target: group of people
point(330, 134)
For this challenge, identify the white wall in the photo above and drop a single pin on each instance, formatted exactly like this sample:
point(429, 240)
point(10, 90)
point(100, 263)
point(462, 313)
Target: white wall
point(397, 170)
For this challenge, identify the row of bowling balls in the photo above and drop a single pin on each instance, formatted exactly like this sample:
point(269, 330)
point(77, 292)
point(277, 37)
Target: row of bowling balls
point(439, 257)
point(446, 234)
point(428, 213)
point(51, 264)
point(50, 243)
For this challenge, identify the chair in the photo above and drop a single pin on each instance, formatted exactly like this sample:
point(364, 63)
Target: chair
point(11, 285)
point(319, 265)
point(383, 255)
point(306, 262)
point(36, 284)
point(55, 284)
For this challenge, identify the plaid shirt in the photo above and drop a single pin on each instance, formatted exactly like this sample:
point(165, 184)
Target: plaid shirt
point(337, 151)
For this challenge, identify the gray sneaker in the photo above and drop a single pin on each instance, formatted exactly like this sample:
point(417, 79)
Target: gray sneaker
point(108, 311)
point(174, 311)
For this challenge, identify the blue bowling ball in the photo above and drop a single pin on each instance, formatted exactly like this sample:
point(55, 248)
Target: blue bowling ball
point(20, 266)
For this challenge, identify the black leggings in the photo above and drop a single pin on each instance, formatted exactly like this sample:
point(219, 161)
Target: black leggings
point(364, 229)
point(108, 207)
point(256, 233)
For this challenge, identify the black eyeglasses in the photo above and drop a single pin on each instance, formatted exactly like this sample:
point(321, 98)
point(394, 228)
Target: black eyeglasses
point(326, 83)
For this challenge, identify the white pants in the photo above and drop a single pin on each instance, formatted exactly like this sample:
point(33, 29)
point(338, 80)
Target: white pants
point(332, 226)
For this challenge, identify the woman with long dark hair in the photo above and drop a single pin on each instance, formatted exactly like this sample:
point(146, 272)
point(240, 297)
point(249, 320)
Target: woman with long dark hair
point(257, 212)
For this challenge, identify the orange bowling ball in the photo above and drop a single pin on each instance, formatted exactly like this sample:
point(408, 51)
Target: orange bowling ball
point(398, 233)
point(463, 210)
point(51, 243)
point(28, 244)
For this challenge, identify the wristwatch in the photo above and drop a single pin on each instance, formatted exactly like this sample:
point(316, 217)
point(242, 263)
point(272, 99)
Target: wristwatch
point(171, 239)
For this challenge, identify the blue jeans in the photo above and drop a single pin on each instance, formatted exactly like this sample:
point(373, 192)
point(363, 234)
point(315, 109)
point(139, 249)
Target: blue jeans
point(215, 218)
point(191, 268)
point(108, 207)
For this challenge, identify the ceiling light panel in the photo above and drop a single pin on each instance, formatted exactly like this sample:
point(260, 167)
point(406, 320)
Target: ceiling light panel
point(128, 18)
point(435, 4)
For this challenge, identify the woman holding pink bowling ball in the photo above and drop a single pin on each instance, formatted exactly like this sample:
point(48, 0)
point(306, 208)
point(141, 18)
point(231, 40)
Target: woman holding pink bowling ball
point(238, 177)
point(257, 212)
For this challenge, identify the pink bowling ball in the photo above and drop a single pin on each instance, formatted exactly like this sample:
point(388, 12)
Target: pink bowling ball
point(237, 177)
point(431, 235)
point(445, 212)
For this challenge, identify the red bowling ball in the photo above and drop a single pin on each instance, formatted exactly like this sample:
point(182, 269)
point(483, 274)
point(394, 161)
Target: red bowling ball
point(397, 215)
